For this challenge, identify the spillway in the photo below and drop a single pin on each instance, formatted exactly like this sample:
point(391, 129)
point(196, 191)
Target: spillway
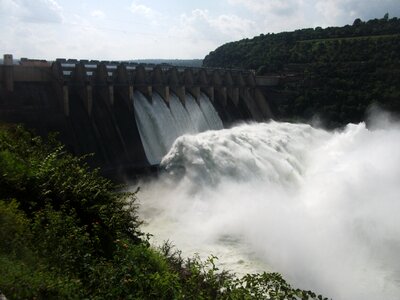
point(159, 124)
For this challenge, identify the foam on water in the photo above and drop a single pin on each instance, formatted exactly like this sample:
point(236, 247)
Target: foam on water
point(319, 207)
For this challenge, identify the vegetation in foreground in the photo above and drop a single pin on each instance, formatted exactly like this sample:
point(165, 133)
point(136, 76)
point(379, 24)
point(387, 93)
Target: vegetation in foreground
point(68, 233)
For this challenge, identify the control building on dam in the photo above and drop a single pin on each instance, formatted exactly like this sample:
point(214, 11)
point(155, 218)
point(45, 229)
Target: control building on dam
point(127, 114)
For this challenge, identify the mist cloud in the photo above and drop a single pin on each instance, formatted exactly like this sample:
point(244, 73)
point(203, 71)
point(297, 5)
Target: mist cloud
point(319, 207)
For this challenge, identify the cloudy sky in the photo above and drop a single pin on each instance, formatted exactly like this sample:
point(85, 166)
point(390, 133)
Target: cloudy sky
point(129, 29)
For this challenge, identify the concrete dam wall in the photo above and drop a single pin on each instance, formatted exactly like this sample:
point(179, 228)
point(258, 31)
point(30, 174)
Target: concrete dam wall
point(127, 114)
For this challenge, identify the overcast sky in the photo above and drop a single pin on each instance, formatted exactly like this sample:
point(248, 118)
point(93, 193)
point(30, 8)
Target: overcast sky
point(129, 29)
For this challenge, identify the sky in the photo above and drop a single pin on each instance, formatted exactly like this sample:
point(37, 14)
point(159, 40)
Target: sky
point(140, 29)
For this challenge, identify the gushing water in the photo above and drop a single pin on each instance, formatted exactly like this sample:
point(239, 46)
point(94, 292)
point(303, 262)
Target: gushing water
point(159, 125)
point(322, 208)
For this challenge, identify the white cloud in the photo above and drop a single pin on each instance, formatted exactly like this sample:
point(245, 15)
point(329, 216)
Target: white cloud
point(233, 26)
point(51, 28)
point(200, 24)
point(278, 7)
point(32, 27)
point(17, 12)
point(40, 11)
point(99, 14)
point(143, 10)
point(345, 11)
point(279, 15)
point(199, 32)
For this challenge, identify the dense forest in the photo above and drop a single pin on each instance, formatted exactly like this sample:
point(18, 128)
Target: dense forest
point(335, 73)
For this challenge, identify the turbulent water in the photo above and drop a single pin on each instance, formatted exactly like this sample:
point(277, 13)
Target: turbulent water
point(159, 125)
point(322, 208)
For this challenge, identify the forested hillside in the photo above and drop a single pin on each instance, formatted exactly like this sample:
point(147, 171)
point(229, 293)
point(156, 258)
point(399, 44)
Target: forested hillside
point(338, 71)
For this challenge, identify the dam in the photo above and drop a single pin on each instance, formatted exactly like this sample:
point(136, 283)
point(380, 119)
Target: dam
point(126, 114)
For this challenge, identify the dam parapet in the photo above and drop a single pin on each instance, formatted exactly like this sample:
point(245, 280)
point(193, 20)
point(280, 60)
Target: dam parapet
point(91, 104)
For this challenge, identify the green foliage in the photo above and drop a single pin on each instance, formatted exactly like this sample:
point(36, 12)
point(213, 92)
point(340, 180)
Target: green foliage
point(20, 280)
point(24, 275)
point(67, 233)
point(277, 49)
point(203, 280)
point(135, 272)
point(13, 227)
point(266, 286)
point(338, 71)
point(38, 174)
point(61, 242)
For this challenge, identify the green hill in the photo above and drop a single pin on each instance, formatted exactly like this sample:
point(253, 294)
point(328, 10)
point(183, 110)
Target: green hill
point(339, 71)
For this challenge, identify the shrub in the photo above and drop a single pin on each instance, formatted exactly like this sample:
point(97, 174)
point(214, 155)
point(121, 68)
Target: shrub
point(38, 174)
point(23, 274)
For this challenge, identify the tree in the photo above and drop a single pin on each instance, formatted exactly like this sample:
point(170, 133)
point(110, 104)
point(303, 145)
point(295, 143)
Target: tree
point(357, 22)
point(386, 16)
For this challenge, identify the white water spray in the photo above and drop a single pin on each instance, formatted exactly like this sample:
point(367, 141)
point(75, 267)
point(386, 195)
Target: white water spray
point(319, 207)
point(159, 125)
